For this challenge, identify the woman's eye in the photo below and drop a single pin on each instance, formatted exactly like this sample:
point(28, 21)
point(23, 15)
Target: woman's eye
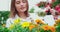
point(24, 1)
point(18, 2)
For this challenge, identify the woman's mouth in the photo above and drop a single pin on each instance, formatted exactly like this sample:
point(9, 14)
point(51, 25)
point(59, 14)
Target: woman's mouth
point(22, 8)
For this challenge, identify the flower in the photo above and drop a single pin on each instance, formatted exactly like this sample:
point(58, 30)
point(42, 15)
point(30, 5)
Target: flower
point(31, 27)
point(57, 21)
point(4, 25)
point(38, 4)
point(45, 27)
point(55, 24)
point(52, 28)
point(25, 24)
point(39, 21)
point(57, 8)
point(17, 21)
point(11, 26)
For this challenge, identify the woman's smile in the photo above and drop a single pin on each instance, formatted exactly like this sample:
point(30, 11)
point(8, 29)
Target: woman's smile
point(22, 8)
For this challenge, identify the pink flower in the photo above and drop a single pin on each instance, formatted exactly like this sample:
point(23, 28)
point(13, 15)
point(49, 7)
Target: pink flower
point(37, 4)
point(59, 10)
point(57, 7)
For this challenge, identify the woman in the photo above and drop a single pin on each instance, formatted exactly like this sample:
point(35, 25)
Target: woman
point(19, 9)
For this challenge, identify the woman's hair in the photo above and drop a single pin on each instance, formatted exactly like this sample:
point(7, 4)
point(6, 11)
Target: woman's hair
point(14, 11)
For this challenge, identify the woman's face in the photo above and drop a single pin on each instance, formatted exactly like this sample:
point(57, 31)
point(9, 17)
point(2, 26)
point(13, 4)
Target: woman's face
point(21, 5)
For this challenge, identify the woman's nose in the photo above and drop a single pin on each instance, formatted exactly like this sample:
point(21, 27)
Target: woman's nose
point(21, 4)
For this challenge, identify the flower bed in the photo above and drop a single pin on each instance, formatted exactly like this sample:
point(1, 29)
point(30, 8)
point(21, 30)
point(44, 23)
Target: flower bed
point(40, 26)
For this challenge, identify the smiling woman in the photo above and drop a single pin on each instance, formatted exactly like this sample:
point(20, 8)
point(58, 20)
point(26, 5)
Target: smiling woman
point(19, 9)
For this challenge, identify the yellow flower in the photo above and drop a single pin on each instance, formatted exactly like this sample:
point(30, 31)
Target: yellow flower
point(4, 25)
point(55, 24)
point(17, 21)
point(11, 26)
point(25, 24)
point(57, 21)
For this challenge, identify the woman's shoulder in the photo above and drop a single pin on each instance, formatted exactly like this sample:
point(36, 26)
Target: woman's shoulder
point(9, 20)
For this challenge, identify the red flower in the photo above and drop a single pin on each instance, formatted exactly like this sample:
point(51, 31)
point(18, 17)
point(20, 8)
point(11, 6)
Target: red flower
point(46, 11)
point(57, 8)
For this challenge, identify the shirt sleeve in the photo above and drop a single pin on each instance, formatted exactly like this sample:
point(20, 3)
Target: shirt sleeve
point(8, 22)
